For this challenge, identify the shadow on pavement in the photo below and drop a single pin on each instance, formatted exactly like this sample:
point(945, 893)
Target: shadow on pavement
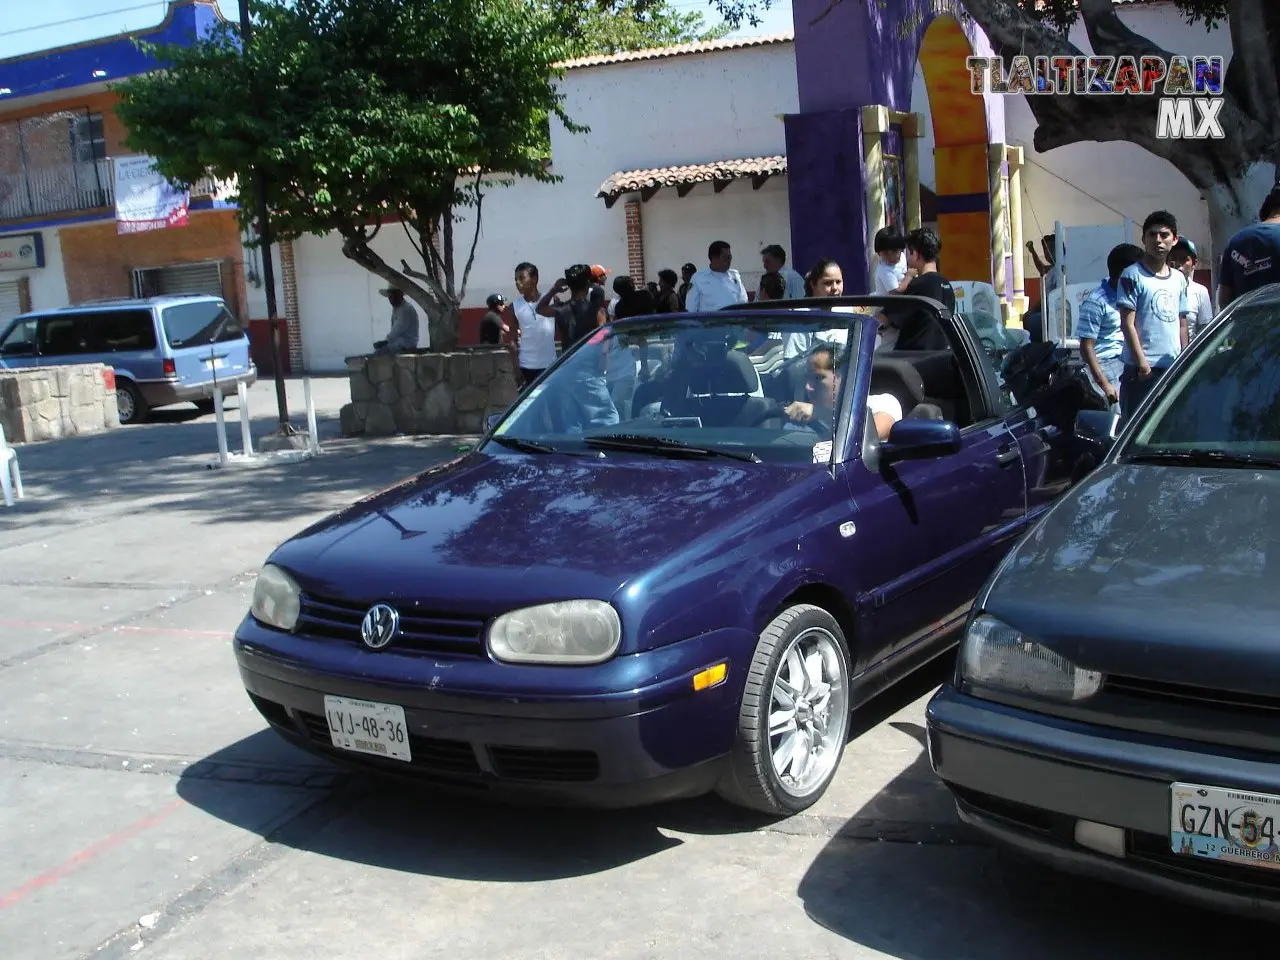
point(414, 830)
point(948, 895)
point(164, 466)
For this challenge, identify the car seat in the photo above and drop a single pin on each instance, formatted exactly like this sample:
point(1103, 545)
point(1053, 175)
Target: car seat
point(715, 387)
point(899, 379)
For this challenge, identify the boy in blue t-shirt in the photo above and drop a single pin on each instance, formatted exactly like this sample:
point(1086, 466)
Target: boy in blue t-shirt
point(1152, 300)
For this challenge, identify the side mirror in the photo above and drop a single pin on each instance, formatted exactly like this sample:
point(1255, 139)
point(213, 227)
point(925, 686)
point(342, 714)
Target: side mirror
point(1097, 427)
point(913, 439)
point(491, 421)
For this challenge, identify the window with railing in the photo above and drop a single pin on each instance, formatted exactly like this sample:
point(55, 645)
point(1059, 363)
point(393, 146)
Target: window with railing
point(55, 163)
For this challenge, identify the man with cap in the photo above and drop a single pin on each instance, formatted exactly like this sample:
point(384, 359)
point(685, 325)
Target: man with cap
point(1183, 256)
point(492, 327)
point(403, 337)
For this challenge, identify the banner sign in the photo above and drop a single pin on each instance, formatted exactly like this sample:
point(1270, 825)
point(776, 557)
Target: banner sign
point(22, 251)
point(145, 200)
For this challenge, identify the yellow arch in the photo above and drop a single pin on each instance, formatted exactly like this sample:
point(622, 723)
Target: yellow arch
point(960, 152)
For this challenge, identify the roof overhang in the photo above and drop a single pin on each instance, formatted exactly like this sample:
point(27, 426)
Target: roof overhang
point(719, 173)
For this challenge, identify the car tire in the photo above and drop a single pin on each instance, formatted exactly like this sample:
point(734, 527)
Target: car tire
point(205, 407)
point(130, 406)
point(762, 769)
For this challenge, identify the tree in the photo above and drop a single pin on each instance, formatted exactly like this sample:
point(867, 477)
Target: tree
point(362, 114)
point(612, 27)
point(1232, 174)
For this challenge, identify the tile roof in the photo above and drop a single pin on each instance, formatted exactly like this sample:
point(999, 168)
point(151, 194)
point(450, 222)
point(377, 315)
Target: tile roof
point(629, 181)
point(679, 50)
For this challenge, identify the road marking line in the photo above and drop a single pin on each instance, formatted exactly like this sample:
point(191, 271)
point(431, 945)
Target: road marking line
point(73, 625)
point(88, 854)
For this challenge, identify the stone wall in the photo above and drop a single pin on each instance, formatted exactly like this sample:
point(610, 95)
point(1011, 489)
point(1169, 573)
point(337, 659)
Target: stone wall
point(448, 393)
point(44, 403)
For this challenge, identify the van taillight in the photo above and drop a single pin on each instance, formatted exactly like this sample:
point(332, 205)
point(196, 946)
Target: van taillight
point(170, 369)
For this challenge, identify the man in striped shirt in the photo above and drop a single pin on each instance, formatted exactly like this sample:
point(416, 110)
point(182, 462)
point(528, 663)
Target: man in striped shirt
point(1098, 325)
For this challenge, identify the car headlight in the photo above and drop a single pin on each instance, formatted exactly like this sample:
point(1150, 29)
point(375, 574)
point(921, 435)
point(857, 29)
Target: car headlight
point(277, 599)
point(996, 656)
point(569, 632)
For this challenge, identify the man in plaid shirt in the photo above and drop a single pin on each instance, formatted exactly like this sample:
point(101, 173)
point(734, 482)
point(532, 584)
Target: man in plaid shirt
point(1098, 325)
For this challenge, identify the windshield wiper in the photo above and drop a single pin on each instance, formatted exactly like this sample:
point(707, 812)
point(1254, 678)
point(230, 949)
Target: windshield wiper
point(1205, 458)
point(526, 446)
point(643, 443)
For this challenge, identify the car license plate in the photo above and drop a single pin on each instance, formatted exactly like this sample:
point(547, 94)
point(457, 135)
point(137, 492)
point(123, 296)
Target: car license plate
point(365, 727)
point(1233, 826)
point(216, 363)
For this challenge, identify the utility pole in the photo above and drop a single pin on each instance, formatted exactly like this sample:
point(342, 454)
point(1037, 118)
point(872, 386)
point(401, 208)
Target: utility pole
point(268, 268)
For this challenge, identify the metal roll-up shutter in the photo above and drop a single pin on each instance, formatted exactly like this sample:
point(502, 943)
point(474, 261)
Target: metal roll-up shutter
point(10, 300)
point(182, 278)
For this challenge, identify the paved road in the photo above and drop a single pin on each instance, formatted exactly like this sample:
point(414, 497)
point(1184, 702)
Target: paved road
point(144, 810)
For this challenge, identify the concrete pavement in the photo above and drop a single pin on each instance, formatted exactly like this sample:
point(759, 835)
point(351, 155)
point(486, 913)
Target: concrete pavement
point(145, 810)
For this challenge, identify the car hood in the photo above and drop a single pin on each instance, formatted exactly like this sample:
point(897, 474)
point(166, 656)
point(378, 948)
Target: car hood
point(489, 531)
point(1160, 572)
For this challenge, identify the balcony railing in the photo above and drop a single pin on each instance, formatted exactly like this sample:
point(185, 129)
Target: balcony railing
point(67, 188)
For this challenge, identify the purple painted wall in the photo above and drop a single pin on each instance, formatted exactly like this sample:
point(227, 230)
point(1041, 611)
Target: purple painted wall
point(862, 52)
point(65, 68)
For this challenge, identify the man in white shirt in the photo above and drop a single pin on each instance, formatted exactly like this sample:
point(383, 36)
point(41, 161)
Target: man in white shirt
point(1183, 257)
point(717, 285)
point(774, 260)
point(822, 387)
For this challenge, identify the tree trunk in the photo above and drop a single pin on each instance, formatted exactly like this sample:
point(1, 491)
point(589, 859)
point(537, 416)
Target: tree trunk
point(1234, 204)
point(441, 311)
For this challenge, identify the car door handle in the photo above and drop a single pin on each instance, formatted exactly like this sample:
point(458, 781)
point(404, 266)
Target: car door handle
point(1008, 454)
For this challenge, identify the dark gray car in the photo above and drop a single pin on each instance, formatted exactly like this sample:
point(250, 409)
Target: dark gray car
point(1116, 704)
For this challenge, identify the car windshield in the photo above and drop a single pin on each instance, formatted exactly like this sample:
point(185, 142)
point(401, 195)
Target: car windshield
point(763, 387)
point(1227, 401)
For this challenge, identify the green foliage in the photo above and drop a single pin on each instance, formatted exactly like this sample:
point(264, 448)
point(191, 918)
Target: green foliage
point(354, 110)
point(613, 27)
point(1060, 14)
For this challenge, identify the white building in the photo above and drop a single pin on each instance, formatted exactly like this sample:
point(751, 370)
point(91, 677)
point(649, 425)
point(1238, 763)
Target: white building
point(691, 140)
point(712, 105)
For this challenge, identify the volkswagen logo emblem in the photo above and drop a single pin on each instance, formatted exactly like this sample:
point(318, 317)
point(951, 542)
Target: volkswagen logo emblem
point(379, 626)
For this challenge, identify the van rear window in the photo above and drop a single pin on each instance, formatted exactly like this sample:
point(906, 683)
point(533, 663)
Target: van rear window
point(196, 324)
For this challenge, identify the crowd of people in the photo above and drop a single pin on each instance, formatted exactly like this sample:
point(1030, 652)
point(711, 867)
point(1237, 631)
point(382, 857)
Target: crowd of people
point(534, 320)
point(1149, 308)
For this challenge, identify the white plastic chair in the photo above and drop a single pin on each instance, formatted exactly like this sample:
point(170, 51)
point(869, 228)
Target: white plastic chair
point(10, 476)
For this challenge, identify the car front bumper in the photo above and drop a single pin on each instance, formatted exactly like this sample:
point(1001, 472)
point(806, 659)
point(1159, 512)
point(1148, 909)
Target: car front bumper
point(1026, 779)
point(162, 393)
point(629, 746)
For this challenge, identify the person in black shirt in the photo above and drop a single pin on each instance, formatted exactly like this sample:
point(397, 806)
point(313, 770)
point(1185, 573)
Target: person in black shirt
point(492, 327)
point(585, 401)
point(918, 329)
point(583, 312)
point(667, 300)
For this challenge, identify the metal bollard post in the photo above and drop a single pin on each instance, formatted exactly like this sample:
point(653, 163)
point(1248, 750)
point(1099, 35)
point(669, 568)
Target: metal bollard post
point(246, 438)
point(313, 434)
point(223, 454)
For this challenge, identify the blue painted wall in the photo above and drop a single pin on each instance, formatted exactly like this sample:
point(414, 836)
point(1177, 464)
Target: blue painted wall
point(65, 68)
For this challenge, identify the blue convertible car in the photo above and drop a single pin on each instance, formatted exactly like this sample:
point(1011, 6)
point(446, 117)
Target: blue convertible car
point(683, 585)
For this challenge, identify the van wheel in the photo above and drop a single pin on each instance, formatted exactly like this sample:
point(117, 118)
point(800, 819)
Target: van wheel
point(794, 716)
point(205, 406)
point(129, 403)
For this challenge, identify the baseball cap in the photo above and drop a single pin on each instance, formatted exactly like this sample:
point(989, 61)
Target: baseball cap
point(598, 273)
point(387, 291)
point(496, 300)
